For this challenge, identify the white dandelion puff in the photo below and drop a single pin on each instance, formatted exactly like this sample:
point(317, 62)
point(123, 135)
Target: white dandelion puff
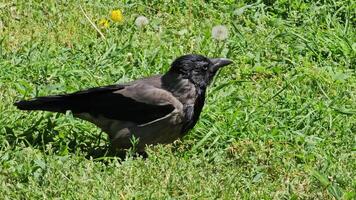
point(141, 21)
point(220, 32)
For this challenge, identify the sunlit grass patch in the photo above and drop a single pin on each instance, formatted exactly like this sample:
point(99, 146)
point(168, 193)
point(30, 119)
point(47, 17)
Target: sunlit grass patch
point(279, 123)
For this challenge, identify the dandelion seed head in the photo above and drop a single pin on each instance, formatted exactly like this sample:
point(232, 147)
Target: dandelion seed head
point(220, 32)
point(116, 16)
point(141, 21)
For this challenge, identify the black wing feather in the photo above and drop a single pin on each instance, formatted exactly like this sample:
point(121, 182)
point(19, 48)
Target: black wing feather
point(104, 101)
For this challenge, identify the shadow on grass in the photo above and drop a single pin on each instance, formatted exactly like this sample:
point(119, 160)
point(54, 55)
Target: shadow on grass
point(42, 135)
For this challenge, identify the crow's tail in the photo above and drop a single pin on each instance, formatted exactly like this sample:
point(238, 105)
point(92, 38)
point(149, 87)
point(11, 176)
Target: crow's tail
point(50, 103)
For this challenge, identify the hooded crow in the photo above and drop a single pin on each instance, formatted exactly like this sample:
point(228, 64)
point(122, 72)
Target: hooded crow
point(156, 109)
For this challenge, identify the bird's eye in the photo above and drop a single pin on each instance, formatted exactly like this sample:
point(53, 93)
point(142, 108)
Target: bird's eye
point(205, 67)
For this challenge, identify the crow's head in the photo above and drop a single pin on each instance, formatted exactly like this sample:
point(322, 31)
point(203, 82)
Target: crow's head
point(197, 68)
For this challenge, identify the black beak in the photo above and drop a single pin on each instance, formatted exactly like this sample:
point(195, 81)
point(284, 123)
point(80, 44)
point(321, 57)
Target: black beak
point(220, 62)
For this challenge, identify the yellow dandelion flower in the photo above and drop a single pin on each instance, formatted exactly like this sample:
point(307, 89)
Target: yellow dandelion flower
point(104, 23)
point(116, 16)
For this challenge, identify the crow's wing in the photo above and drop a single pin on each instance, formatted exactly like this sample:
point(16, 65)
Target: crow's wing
point(139, 103)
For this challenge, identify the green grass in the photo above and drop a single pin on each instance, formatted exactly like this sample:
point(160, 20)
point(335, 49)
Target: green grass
point(278, 124)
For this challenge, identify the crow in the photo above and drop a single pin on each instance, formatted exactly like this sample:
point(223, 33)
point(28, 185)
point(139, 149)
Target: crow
point(154, 110)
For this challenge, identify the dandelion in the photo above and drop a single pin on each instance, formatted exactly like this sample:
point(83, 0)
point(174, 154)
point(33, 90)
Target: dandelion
point(104, 23)
point(220, 32)
point(116, 16)
point(141, 21)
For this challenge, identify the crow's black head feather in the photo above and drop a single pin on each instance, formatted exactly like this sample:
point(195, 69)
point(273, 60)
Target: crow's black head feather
point(197, 68)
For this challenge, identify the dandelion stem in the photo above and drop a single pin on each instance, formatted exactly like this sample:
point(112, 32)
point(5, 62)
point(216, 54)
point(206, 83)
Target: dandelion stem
point(219, 48)
point(91, 22)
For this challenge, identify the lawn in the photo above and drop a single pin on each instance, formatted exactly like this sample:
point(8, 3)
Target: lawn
point(279, 123)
